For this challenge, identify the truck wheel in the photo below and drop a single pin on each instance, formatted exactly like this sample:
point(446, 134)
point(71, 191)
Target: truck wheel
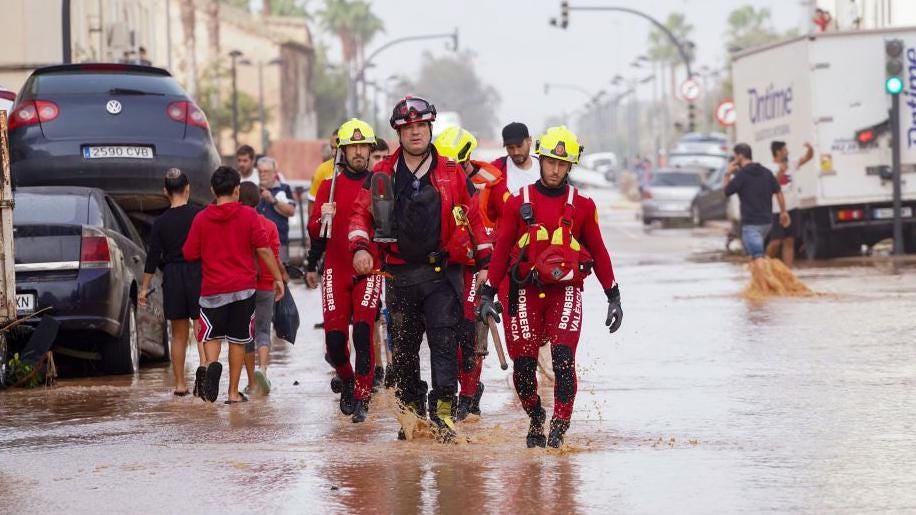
point(122, 354)
point(815, 242)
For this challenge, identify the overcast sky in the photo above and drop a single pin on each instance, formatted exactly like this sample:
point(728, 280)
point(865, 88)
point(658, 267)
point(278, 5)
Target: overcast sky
point(517, 51)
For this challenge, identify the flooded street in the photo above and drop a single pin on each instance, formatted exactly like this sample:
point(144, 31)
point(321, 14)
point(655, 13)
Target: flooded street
point(702, 402)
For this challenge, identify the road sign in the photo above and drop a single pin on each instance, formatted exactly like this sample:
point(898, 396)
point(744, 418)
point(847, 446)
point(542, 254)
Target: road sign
point(726, 114)
point(690, 90)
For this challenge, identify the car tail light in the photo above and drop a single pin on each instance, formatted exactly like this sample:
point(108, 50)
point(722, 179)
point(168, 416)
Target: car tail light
point(95, 251)
point(646, 194)
point(33, 111)
point(850, 215)
point(189, 113)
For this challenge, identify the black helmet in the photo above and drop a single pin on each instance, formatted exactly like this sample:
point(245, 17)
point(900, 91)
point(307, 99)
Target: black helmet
point(412, 110)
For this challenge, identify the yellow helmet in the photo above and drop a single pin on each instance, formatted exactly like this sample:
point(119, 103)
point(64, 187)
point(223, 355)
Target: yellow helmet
point(355, 132)
point(560, 143)
point(456, 144)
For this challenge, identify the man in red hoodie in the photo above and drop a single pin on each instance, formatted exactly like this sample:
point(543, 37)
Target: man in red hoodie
point(547, 242)
point(226, 237)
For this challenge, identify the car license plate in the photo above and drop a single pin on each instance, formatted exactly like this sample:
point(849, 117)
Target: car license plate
point(25, 303)
point(117, 151)
point(885, 213)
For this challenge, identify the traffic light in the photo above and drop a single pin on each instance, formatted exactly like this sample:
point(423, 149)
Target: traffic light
point(691, 117)
point(893, 54)
point(563, 22)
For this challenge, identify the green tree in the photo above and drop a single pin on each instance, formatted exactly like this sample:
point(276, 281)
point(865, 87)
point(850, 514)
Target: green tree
point(749, 27)
point(218, 106)
point(661, 49)
point(330, 89)
point(452, 84)
point(354, 24)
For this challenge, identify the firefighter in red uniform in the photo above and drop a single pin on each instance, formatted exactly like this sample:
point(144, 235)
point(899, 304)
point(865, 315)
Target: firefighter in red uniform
point(416, 208)
point(548, 241)
point(489, 196)
point(346, 294)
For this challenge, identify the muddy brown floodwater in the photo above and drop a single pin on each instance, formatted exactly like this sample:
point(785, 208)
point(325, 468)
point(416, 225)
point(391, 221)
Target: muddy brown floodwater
point(703, 402)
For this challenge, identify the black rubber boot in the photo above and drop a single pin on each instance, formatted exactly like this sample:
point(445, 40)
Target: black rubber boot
point(389, 378)
point(558, 428)
point(360, 411)
point(536, 436)
point(421, 401)
point(475, 405)
point(378, 378)
point(464, 407)
point(346, 398)
point(336, 384)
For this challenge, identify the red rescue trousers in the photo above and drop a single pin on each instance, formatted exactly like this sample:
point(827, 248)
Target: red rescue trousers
point(345, 298)
point(549, 315)
point(468, 376)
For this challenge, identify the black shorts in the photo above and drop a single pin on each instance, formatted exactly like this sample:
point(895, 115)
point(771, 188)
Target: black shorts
point(233, 322)
point(779, 232)
point(181, 291)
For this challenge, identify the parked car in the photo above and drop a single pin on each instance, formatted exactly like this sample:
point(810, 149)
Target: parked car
point(710, 202)
point(117, 127)
point(77, 253)
point(604, 162)
point(669, 194)
point(702, 143)
point(7, 98)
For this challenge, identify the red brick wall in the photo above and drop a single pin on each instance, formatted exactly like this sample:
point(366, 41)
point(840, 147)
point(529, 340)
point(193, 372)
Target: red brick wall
point(297, 158)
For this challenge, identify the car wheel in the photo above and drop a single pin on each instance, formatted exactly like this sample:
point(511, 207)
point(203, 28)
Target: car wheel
point(695, 217)
point(122, 355)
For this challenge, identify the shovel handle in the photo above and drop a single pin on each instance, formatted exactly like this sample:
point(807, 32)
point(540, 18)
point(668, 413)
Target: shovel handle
point(498, 343)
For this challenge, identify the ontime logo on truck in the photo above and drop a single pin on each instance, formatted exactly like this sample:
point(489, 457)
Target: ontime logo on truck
point(769, 104)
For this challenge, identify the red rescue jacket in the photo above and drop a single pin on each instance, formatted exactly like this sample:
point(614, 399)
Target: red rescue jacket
point(549, 207)
point(449, 180)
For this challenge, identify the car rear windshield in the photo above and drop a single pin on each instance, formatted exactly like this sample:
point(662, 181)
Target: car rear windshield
point(45, 208)
point(675, 179)
point(102, 82)
point(708, 161)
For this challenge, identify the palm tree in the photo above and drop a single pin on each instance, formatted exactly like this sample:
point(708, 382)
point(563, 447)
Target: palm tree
point(353, 22)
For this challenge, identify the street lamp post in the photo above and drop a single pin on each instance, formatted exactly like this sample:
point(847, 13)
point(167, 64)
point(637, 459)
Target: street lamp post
point(359, 75)
point(234, 55)
point(262, 114)
point(682, 46)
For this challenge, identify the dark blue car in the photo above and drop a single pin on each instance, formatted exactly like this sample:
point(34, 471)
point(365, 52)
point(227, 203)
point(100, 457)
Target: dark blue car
point(117, 127)
point(77, 253)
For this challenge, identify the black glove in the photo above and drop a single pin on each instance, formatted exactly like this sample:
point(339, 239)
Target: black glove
point(487, 307)
point(614, 311)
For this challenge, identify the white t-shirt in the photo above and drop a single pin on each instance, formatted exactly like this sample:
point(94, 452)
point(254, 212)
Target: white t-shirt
point(255, 177)
point(789, 190)
point(516, 178)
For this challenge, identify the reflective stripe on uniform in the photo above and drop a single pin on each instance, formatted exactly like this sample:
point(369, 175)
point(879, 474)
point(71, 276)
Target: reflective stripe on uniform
point(357, 233)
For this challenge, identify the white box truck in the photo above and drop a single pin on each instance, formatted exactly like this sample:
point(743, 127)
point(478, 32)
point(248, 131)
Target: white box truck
point(825, 89)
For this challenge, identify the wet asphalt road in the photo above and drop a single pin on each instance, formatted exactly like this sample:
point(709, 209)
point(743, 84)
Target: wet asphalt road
point(702, 402)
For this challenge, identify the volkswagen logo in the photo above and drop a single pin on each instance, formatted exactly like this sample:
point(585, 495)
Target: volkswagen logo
point(113, 107)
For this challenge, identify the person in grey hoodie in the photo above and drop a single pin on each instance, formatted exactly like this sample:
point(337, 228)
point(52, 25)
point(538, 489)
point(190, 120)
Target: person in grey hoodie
point(755, 186)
